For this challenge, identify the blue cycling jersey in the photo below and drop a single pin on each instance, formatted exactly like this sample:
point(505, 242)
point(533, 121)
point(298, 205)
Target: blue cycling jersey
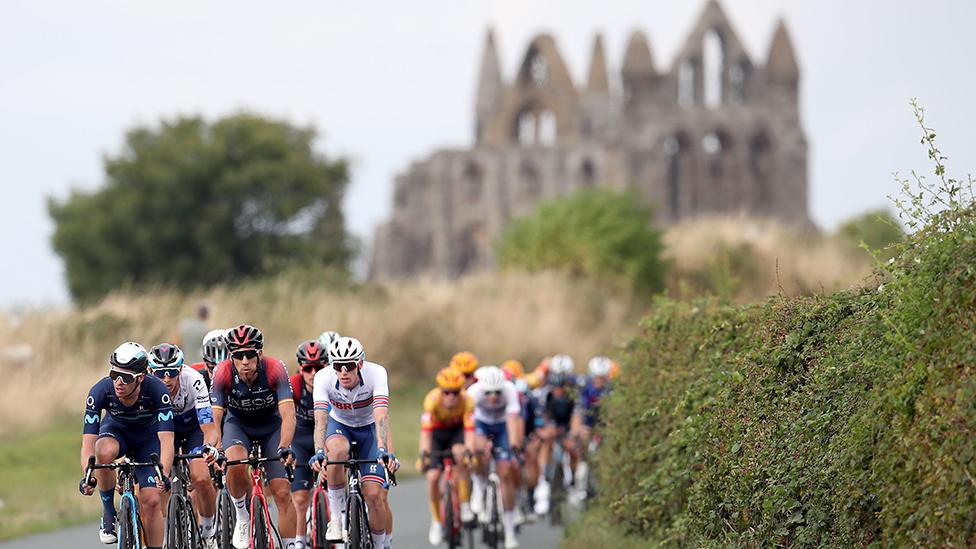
point(152, 407)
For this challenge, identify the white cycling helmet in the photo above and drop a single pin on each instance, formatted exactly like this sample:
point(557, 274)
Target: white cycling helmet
point(599, 366)
point(326, 338)
point(346, 349)
point(130, 356)
point(492, 378)
point(214, 348)
point(561, 364)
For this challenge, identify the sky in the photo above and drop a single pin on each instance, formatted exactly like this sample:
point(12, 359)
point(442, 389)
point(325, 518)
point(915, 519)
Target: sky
point(388, 82)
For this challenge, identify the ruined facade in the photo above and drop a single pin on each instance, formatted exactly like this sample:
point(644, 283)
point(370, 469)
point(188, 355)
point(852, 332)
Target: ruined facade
point(714, 133)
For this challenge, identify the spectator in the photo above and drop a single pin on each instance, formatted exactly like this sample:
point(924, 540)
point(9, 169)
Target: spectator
point(192, 332)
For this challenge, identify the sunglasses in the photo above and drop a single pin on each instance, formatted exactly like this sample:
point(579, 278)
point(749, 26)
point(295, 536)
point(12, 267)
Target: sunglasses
point(241, 355)
point(163, 373)
point(347, 366)
point(450, 393)
point(126, 377)
point(496, 393)
point(309, 368)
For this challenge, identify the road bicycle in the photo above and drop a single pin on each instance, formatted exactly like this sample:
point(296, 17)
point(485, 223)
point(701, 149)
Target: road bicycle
point(451, 524)
point(356, 534)
point(263, 534)
point(559, 470)
point(318, 521)
point(181, 519)
point(492, 531)
point(128, 522)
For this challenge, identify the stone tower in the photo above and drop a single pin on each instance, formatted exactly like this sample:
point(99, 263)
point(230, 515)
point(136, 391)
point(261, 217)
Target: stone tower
point(714, 133)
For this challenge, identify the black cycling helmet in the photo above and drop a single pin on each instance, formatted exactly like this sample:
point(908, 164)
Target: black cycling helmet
point(311, 352)
point(244, 337)
point(130, 356)
point(165, 355)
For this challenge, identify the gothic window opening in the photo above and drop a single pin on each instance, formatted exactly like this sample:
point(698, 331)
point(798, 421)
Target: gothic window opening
point(539, 70)
point(525, 126)
point(587, 175)
point(686, 84)
point(677, 153)
point(760, 165)
point(531, 184)
point(713, 63)
point(546, 131)
point(472, 183)
point(737, 83)
point(715, 147)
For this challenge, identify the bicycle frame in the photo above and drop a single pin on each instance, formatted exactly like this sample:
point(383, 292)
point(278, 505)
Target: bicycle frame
point(125, 485)
point(353, 482)
point(448, 484)
point(255, 461)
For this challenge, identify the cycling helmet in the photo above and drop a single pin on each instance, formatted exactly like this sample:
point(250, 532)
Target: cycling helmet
point(450, 379)
point(521, 385)
point(311, 352)
point(599, 366)
point(513, 369)
point(165, 355)
point(491, 378)
point(465, 362)
point(614, 369)
point(326, 338)
point(214, 350)
point(130, 356)
point(244, 337)
point(561, 364)
point(346, 349)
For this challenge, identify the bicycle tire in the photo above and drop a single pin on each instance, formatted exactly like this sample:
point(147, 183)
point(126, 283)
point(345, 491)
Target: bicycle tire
point(557, 491)
point(126, 530)
point(226, 520)
point(193, 537)
point(493, 527)
point(359, 534)
point(448, 518)
point(259, 526)
point(320, 522)
point(175, 527)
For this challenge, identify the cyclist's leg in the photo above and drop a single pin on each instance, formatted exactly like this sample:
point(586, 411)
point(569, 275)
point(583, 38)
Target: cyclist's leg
point(150, 497)
point(337, 449)
point(304, 480)
point(480, 469)
point(237, 445)
point(204, 495)
point(374, 483)
point(109, 445)
point(280, 488)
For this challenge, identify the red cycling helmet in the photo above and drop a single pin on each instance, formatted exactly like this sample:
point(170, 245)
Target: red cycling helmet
point(244, 337)
point(311, 352)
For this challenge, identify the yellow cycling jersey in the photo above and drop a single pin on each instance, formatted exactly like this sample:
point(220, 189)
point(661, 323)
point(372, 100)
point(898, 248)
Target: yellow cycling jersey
point(438, 416)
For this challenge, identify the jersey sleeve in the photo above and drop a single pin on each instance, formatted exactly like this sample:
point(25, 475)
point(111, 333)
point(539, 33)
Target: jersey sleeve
point(278, 379)
point(164, 406)
point(201, 398)
point(220, 384)
point(427, 420)
point(381, 388)
point(468, 413)
point(320, 390)
point(511, 400)
point(94, 405)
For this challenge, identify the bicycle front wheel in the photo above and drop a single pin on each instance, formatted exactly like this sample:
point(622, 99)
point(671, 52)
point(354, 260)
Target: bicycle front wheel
point(320, 520)
point(126, 530)
point(359, 537)
point(449, 517)
point(260, 528)
point(176, 533)
point(493, 530)
point(226, 518)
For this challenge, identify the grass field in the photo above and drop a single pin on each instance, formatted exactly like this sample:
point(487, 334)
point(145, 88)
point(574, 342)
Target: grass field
point(39, 472)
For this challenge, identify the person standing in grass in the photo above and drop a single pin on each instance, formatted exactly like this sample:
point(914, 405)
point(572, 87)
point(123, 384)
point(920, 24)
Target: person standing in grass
point(192, 332)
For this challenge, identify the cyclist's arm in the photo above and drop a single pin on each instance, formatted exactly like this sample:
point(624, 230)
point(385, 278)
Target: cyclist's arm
point(211, 434)
point(166, 450)
point(87, 449)
point(321, 422)
point(164, 419)
point(514, 432)
point(93, 414)
point(287, 410)
point(205, 415)
point(426, 441)
point(382, 417)
point(320, 398)
point(513, 414)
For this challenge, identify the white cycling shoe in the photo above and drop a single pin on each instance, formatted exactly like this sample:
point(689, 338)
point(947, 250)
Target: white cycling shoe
point(242, 531)
point(542, 498)
point(436, 534)
point(477, 504)
point(334, 532)
point(105, 536)
point(467, 515)
point(510, 541)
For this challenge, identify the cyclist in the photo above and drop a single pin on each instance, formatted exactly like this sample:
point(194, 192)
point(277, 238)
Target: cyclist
point(558, 397)
point(311, 357)
point(466, 363)
point(213, 351)
point(326, 338)
point(194, 426)
point(352, 401)
point(497, 414)
point(447, 424)
point(138, 423)
point(253, 391)
point(587, 413)
point(532, 419)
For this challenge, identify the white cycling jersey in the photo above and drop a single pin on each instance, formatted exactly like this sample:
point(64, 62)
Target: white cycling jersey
point(352, 407)
point(487, 412)
point(193, 394)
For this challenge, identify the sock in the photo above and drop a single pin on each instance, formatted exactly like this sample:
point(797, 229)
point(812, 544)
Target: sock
point(208, 526)
point(389, 541)
point(508, 520)
point(108, 508)
point(290, 543)
point(530, 494)
point(477, 484)
point(435, 510)
point(337, 501)
point(378, 537)
point(240, 505)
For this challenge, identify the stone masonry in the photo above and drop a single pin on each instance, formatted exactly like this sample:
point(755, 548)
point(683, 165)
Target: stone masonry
point(715, 133)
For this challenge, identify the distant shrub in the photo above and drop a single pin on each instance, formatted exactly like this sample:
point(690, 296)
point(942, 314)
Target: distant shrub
point(878, 230)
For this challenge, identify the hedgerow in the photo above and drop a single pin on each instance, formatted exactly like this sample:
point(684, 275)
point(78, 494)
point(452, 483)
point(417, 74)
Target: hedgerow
point(840, 420)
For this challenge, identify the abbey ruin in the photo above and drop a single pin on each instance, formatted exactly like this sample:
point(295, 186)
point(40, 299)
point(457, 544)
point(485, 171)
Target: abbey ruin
point(713, 133)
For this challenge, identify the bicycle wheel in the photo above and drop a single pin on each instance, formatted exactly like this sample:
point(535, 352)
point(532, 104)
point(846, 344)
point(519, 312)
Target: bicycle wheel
point(320, 521)
point(448, 518)
point(176, 523)
point(493, 532)
point(259, 525)
point(126, 530)
point(557, 491)
point(359, 535)
point(193, 537)
point(226, 518)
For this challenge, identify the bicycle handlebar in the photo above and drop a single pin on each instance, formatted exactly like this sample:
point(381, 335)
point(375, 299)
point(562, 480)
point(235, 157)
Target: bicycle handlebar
point(255, 461)
point(354, 462)
point(125, 464)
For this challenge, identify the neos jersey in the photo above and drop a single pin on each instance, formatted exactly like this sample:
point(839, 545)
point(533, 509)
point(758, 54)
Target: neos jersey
point(352, 407)
point(191, 404)
point(152, 409)
point(487, 412)
point(255, 404)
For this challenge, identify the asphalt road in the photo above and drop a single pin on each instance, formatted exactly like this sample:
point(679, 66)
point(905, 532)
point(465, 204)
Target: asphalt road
point(410, 527)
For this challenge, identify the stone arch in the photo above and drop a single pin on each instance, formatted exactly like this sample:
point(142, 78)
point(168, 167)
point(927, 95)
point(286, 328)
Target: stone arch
point(587, 173)
point(680, 191)
point(472, 249)
point(529, 180)
point(686, 84)
point(719, 189)
point(760, 168)
point(472, 182)
point(713, 68)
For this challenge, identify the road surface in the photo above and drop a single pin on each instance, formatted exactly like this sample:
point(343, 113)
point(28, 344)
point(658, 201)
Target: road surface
point(410, 532)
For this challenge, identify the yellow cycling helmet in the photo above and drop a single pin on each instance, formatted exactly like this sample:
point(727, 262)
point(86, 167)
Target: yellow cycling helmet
point(513, 368)
point(614, 369)
point(450, 379)
point(464, 362)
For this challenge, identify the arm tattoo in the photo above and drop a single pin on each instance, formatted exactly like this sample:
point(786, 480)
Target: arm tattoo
point(321, 422)
point(383, 431)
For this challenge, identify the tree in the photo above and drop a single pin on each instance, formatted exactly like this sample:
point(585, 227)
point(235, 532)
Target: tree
point(877, 229)
point(191, 203)
point(593, 232)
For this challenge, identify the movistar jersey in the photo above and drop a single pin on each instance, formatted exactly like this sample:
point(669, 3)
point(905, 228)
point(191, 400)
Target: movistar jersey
point(152, 409)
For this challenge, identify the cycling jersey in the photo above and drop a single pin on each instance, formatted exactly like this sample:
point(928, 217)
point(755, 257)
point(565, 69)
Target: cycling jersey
point(152, 410)
point(589, 402)
point(201, 367)
point(257, 403)
point(437, 415)
point(304, 442)
point(352, 407)
point(192, 401)
point(304, 403)
point(487, 412)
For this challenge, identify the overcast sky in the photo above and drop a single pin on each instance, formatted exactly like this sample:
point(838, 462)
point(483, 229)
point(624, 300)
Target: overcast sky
point(387, 82)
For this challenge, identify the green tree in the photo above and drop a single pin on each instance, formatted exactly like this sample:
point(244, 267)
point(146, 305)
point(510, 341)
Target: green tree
point(192, 202)
point(593, 232)
point(877, 229)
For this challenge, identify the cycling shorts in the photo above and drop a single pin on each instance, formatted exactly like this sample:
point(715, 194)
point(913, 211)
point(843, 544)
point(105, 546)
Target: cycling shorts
point(366, 448)
point(189, 439)
point(304, 447)
point(498, 434)
point(268, 436)
point(136, 444)
point(443, 440)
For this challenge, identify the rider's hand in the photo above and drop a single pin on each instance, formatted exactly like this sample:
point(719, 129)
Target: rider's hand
point(390, 460)
point(423, 462)
point(163, 483)
point(315, 462)
point(85, 488)
point(210, 454)
point(286, 456)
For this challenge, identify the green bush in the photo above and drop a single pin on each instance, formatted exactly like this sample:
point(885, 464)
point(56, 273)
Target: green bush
point(841, 420)
point(594, 232)
point(878, 230)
